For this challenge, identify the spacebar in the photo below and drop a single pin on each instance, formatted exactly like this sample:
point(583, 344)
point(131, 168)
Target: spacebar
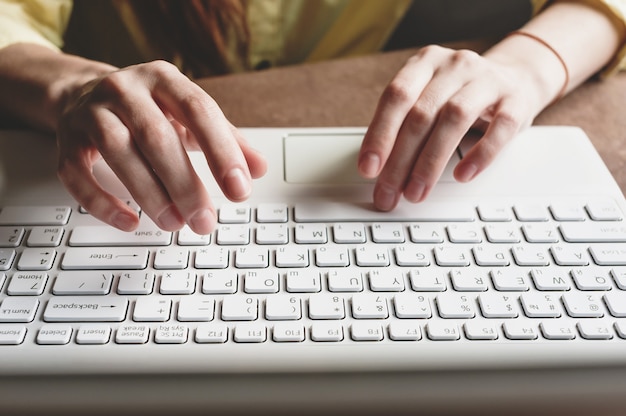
point(320, 211)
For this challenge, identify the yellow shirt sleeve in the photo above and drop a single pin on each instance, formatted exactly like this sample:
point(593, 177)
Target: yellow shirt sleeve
point(362, 27)
point(285, 32)
point(34, 21)
point(616, 10)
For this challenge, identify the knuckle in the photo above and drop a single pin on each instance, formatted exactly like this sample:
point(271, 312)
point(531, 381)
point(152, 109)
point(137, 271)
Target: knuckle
point(111, 85)
point(160, 68)
point(464, 57)
point(152, 73)
point(396, 92)
point(428, 161)
point(394, 175)
point(153, 135)
point(391, 182)
point(190, 194)
point(421, 114)
point(509, 120)
point(427, 167)
point(198, 104)
point(456, 112)
point(429, 50)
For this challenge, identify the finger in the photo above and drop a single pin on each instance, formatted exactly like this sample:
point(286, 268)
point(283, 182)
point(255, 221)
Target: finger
point(505, 124)
point(412, 137)
point(395, 102)
point(99, 203)
point(199, 113)
point(158, 143)
point(115, 143)
point(257, 164)
point(255, 160)
point(185, 136)
point(456, 118)
point(75, 172)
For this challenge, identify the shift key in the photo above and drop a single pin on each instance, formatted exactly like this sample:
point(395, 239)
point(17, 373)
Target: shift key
point(86, 309)
point(105, 258)
point(103, 235)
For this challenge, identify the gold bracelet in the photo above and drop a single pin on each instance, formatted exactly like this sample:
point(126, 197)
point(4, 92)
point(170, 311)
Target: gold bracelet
point(554, 51)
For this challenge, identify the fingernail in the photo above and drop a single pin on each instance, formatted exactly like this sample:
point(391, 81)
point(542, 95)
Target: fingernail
point(385, 198)
point(466, 173)
point(414, 190)
point(237, 184)
point(203, 222)
point(369, 164)
point(124, 221)
point(170, 219)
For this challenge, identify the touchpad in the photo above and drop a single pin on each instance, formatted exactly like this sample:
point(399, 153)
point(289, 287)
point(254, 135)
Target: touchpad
point(329, 159)
point(322, 158)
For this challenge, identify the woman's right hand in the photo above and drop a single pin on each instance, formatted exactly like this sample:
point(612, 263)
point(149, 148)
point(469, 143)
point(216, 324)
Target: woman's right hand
point(141, 120)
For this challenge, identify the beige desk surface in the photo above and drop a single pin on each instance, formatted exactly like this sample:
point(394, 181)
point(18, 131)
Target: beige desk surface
point(345, 93)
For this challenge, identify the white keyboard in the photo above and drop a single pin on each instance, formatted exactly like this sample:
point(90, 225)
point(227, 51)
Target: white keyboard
point(493, 272)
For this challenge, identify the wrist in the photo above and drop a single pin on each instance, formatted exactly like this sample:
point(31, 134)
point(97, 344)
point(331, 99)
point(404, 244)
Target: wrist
point(37, 82)
point(536, 63)
point(66, 90)
point(556, 54)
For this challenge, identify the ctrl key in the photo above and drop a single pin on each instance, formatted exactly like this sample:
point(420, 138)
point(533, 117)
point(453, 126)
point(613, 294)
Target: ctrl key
point(12, 334)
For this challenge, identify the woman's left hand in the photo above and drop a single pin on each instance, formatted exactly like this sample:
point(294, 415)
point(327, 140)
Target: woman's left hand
point(429, 106)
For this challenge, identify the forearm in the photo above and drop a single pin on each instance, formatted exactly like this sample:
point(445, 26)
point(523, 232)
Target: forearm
point(36, 82)
point(584, 37)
